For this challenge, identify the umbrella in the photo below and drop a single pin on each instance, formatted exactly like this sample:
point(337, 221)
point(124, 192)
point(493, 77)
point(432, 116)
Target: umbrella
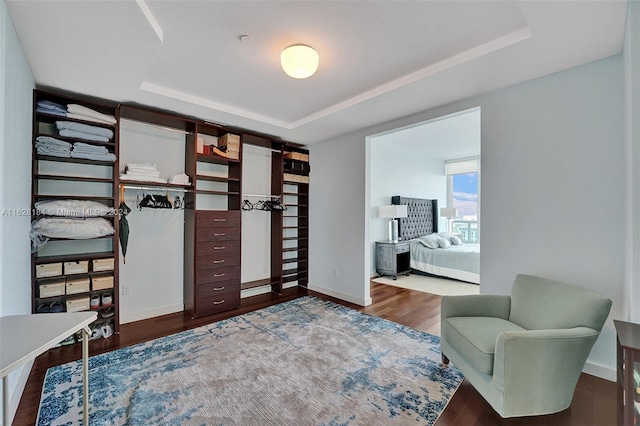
point(123, 211)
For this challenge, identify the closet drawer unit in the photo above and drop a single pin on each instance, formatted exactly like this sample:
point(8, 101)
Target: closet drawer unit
point(221, 260)
point(218, 219)
point(217, 289)
point(205, 276)
point(225, 301)
point(217, 248)
point(216, 234)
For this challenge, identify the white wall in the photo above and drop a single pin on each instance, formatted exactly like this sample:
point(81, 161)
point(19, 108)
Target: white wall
point(153, 273)
point(552, 157)
point(631, 58)
point(399, 170)
point(256, 224)
point(16, 86)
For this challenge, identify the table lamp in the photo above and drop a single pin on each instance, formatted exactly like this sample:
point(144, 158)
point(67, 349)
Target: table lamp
point(393, 212)
point(449, 213)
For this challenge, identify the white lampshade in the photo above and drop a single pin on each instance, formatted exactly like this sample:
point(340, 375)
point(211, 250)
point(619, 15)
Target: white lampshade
point(299, 61)
point(392, 212)
point(448, 212)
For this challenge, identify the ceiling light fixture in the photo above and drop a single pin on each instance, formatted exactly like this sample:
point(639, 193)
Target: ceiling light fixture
point(299, 61)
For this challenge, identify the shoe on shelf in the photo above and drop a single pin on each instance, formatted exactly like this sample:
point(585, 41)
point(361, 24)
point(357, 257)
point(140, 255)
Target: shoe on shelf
point(56, 307)
point(107, 330)
point(95, 301)
point(107, 313)
point(107, 300)
point(68, 341)
point(42, 309)
point(96, 332)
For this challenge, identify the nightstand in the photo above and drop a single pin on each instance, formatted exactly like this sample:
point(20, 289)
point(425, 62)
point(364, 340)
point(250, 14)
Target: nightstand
point(393, 258)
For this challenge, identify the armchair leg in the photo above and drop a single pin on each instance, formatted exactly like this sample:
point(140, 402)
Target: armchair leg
point(445, 360)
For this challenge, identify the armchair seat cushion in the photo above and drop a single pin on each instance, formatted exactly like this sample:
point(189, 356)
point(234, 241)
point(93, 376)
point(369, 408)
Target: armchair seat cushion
point(475, 338)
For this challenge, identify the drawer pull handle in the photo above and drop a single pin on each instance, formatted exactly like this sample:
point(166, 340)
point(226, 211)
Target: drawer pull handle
point(219, 220)
point(222, 234)
point(219, 275)
point(218, 288)
point(219, 302)
point(219, 248)
point(218, 261)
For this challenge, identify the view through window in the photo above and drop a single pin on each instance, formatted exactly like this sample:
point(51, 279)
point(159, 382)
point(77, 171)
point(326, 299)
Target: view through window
point(464, 197)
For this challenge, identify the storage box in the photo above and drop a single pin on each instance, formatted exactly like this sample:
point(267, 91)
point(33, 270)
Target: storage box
point(101, 283)
point(304, 179)
point(78, 286)
point(229, 139)
point(49, 270)
point(102, 265)
point(293, 156)
point(288, 177)
point(52, 288)
point(77, 267)
point(304, 157)
point(76, 304)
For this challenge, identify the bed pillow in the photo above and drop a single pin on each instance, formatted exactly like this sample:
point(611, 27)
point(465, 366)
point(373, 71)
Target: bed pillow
point(76, 208)
point(443, 242)
point(75, 229)
point(429, 241)
point(455, 240)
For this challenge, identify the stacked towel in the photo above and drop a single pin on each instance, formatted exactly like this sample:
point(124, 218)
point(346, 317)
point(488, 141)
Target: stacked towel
point(46, 145)
point(145, 172)
point(84, 131)
point(180, 179)
point(91, 152)
point(83, 113)
point(49, 107)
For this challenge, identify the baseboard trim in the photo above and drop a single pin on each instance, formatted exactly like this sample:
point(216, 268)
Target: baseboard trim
point(151, 313)
point(600, 370)
point(340, 295)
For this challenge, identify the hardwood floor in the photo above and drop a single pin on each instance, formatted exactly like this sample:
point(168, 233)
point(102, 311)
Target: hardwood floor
point(593, 403)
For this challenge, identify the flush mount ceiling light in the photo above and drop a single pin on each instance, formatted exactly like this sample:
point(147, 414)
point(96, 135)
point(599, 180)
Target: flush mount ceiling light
point(299, 61)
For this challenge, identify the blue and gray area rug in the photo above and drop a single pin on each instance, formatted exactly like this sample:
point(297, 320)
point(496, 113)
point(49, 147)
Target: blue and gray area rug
point(303, 362)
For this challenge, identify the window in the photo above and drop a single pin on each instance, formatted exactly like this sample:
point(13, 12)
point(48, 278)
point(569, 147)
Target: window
point(463, 189)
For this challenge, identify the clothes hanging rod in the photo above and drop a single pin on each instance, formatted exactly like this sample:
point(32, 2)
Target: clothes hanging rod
point(156, 188)
point(260, 195)
point(155, 126)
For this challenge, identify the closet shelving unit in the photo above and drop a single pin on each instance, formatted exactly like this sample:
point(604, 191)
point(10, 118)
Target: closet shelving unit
point(292, 225)
point(58, 178)
point(212, 227)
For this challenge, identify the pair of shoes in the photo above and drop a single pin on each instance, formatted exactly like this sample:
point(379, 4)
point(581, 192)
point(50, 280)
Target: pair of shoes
point(68, 341)
point(53, 307)
point(94, 302)
point(107, 300)
point(107, 313)
point(107, 330)
point(96, 332)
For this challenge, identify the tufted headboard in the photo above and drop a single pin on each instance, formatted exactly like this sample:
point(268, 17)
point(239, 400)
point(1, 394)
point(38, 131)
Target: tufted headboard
point(422, 217)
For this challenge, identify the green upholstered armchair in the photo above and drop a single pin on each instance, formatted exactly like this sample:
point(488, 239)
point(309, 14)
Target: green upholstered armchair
point(523, 353)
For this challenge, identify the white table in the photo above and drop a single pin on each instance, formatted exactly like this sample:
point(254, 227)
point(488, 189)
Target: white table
point(24, 337)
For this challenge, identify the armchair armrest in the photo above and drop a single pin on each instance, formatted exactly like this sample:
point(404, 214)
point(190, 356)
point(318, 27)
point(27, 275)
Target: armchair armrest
point(477, 305)
point(541, 367)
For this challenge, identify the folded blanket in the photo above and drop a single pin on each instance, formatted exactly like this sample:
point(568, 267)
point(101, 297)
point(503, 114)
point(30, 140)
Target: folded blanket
point(180, 179)
point(148, 166)
point(80, 135)
point(85, 128)
point(93, 149)
point(85, 118)
point(49, 141)
point(143, 172)
point(51, 111)
point(50, 106)
point(90, 156)
point(88, 112)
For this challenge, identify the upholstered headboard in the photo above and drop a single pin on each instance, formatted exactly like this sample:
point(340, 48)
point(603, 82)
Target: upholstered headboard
point(422, 218)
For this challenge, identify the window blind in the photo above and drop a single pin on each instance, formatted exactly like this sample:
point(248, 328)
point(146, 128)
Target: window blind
point(463, 165)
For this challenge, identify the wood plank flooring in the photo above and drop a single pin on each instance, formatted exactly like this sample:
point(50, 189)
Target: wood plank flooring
point(593, 403)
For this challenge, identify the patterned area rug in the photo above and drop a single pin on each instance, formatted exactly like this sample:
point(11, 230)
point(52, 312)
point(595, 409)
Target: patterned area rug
point(303, 362)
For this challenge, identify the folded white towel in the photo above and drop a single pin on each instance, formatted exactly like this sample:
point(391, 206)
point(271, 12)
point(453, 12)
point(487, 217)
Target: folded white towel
point(92, 156)
point(88, 112)
point(149, 166)
point(134, 171)
point(47, 140)
point(180, 179)
point(87, 118)
point(85, 128)
point(142, 178)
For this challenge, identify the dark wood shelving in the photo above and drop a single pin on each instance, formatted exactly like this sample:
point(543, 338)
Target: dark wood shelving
point(215, 159)
point(77, 276)
point(294, 238)
point(217, 178)
point(292, 278)
point(73, 160)
point(210, 192)
point(290, 249)
point(293, 271)
point(73, 178)
point(259, 283)
point(69, 257)
point(294, 227)
point(294, 216)
point(153, 184)
point(72, 197)
point(293, 260)
point(84, 239)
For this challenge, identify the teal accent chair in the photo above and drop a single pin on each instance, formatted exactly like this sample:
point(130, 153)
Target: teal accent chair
point(523, 353)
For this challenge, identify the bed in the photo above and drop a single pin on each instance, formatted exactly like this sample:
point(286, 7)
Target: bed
point(460, 262)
